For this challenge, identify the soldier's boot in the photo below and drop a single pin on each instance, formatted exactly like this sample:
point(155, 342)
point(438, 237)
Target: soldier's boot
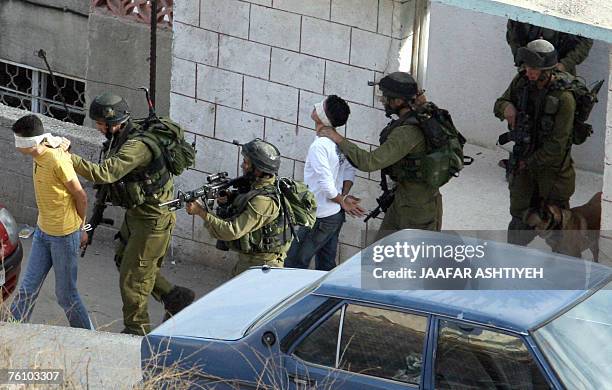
point(176, 300)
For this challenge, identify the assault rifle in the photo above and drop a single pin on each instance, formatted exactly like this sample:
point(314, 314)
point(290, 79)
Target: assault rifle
point(521, 135)
point(384, 200)
point(102, 192)
point(215, 186)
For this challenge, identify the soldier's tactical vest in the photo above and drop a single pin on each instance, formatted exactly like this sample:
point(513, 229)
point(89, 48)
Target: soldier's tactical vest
point(143, 184)
point(443, 158)
point(545, 108)
point(270, 238)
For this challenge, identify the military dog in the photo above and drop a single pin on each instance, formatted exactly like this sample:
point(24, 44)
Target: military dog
point(569, 232)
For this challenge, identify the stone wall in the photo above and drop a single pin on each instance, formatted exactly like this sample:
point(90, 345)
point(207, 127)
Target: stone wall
point(246, 69)
point(606, 217)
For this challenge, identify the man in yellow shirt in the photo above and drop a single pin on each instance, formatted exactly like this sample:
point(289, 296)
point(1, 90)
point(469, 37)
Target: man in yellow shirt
point(62, 204)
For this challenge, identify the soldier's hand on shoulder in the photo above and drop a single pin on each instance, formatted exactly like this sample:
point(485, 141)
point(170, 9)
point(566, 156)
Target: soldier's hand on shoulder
point(510, 115)
point(330, 133)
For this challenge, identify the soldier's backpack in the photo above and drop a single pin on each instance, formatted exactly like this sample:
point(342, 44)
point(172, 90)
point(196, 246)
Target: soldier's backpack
point(585, 101)
point(169, 137)
point(298, 201)
point(444, 158)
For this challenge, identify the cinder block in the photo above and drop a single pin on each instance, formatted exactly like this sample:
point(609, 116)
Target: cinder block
point(365, 124)
point(195, 44)
point(219, 86)
point(346, 252)
point(235, 124)
point(368, 191)
point(244, 57)
point(274, 27)
point(606, 217)
point(325, 39)
point(385, 17)
point(352, 230)
point(298, 171)
point(358, 13)
point(316, 8)
point(195, 116)
point(605, 249)
point(270, 99)
point(291, 144)
point(297, 70)
point(307, 101)
point(371, 50)
point(216, 156)
point(225, 16)
point(286, 167)
point(186, 12)
point(202, 235)
point(349, 82)
point(373, 228)
point(183, 78)
point(607, 182)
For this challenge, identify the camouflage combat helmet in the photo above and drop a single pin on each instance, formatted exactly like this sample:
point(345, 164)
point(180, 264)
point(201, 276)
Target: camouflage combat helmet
point(539, 54)
point(263, 155)
point(109, 108)
point(398, 85)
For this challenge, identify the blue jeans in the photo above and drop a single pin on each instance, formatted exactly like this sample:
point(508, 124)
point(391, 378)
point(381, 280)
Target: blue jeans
point(321, 241)
point(61, 253)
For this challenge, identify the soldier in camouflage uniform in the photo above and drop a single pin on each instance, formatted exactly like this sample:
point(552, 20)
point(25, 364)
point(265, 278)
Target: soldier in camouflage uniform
point(254, 226)
point(416, 205)
point(572, 49)
point(545, 173)
point(139, 181)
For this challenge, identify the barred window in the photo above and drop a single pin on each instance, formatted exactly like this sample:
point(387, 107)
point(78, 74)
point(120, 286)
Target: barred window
point(33, 89)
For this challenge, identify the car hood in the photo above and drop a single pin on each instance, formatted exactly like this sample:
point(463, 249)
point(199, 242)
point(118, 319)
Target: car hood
point(228, 311)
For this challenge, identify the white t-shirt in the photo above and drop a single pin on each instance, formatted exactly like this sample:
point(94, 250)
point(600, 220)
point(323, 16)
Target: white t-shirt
point(325, 171)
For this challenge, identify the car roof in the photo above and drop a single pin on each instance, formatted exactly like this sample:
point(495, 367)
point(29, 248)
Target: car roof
point(517, 310)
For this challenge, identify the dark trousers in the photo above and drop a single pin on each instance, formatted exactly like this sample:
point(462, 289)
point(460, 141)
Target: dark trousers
point(320, 241)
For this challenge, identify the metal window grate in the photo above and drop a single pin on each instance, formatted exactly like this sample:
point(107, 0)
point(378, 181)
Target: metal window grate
point(33, 90)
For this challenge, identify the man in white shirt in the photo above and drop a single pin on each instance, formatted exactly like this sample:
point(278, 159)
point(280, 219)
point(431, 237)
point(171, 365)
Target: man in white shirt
point(329, 175)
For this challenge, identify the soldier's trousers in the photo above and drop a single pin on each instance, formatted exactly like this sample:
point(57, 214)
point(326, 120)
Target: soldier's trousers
point(532, 188)
point(142, 246)
point(426, 216)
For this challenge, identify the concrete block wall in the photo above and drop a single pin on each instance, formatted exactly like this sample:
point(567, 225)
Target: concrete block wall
point(246, 69)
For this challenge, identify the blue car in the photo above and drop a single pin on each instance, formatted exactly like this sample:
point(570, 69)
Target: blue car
point(303, 329)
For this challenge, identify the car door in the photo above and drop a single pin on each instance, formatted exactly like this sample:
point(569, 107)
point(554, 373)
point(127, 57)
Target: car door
point(467, 356)
point(357, 346)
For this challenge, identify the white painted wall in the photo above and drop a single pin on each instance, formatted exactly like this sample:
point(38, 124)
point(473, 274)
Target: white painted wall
point(470, 65)
point(246, 69)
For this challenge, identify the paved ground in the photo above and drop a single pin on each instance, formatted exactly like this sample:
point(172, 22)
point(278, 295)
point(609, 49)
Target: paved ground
point(98, 282)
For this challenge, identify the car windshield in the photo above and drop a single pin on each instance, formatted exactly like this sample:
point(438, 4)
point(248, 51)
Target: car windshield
point(578, 344)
